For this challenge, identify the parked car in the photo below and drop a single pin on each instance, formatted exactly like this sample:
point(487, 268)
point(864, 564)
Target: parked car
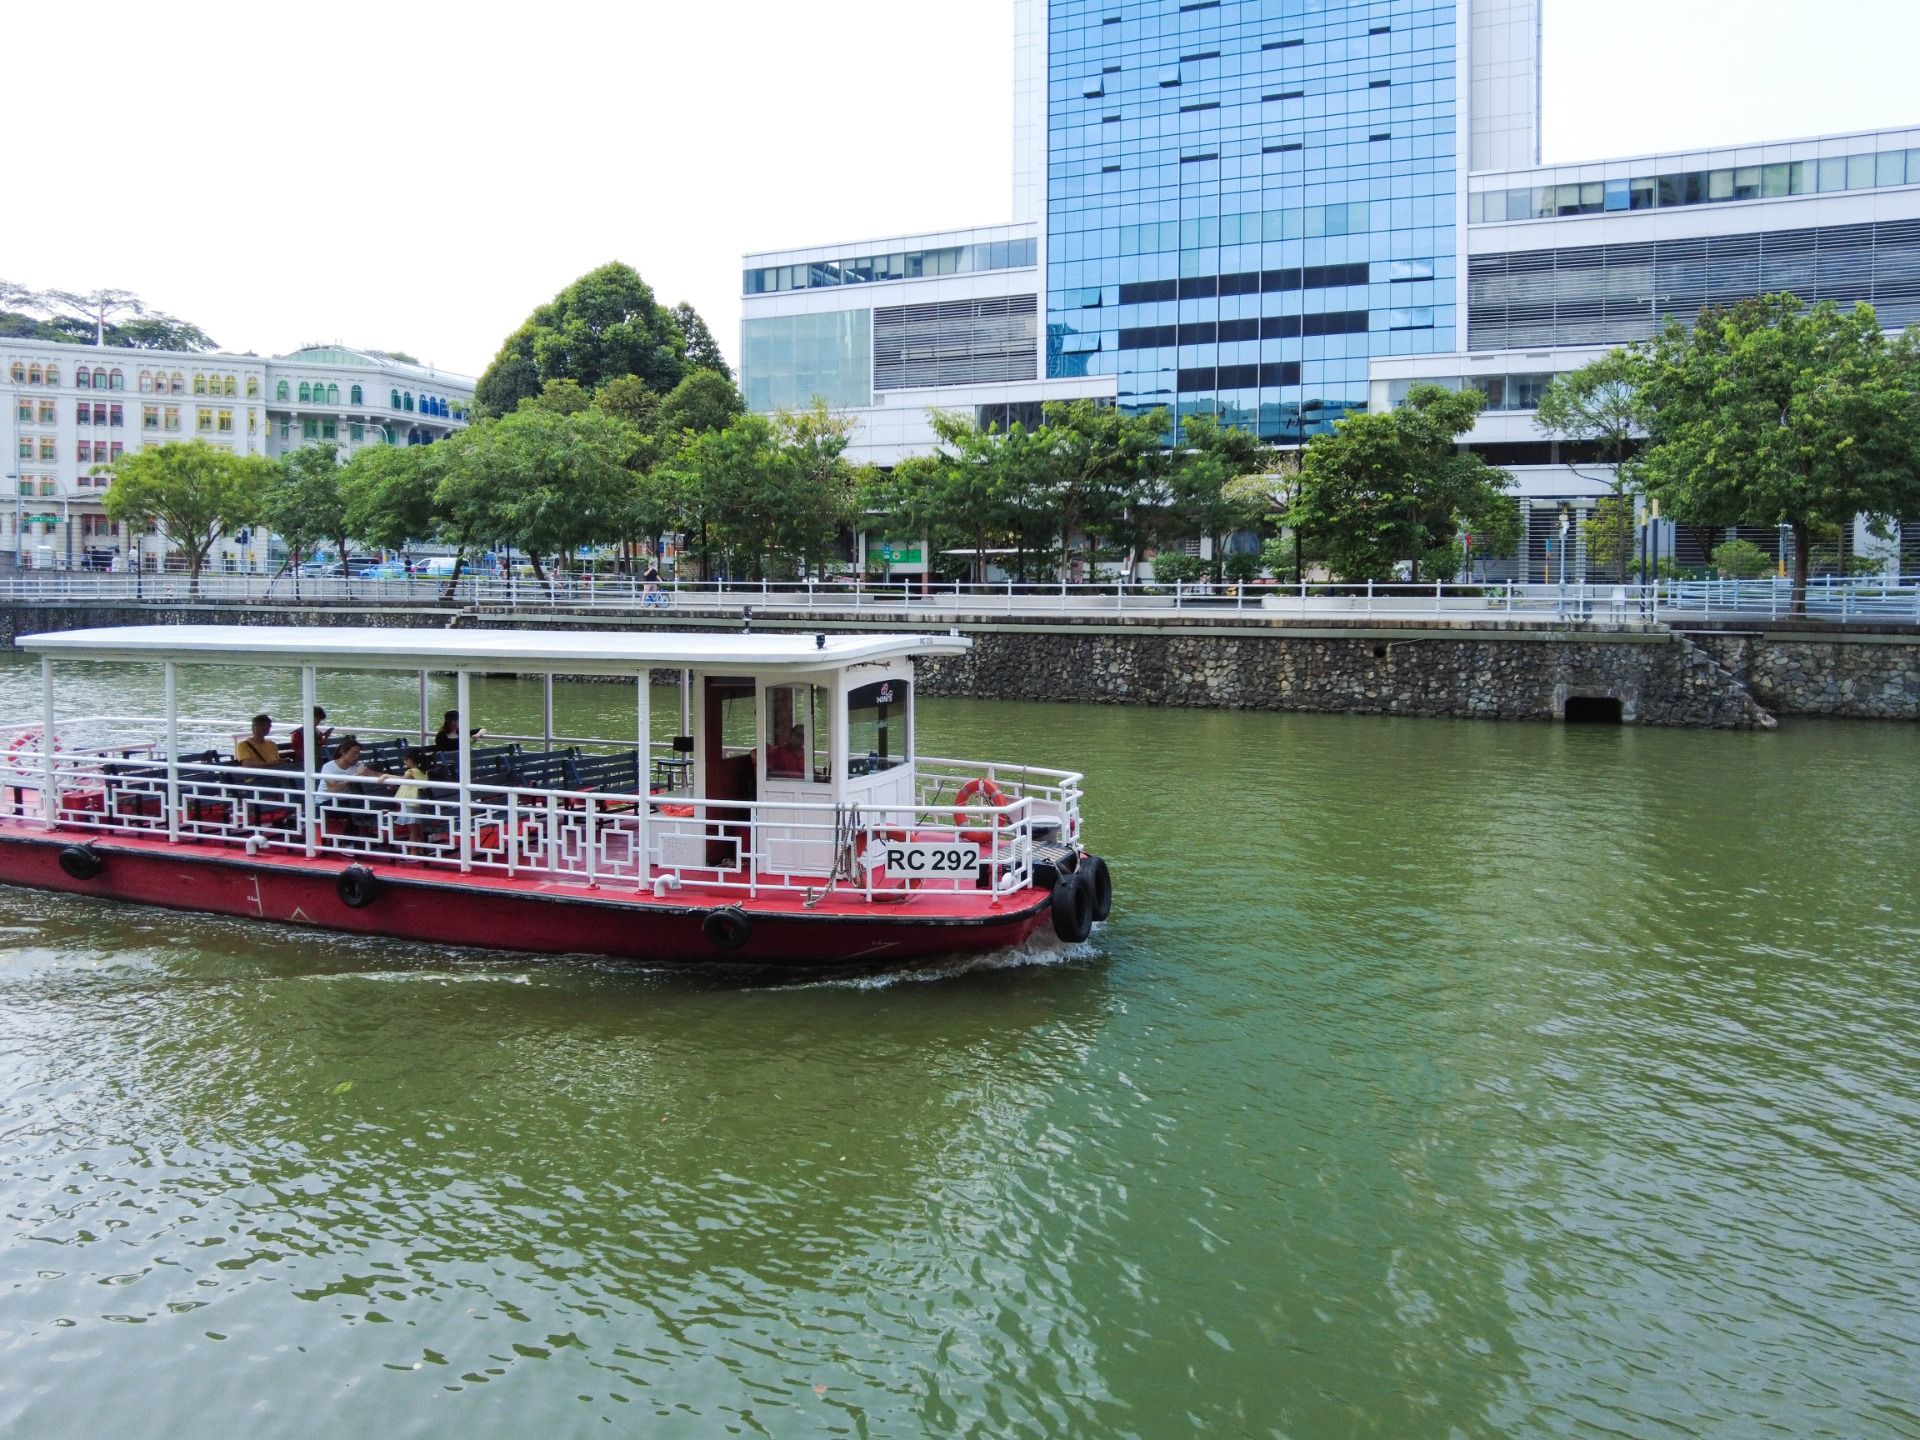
point(385, 570)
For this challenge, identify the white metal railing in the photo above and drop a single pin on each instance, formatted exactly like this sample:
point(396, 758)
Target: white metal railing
point(1841, 599)
point(633, 839)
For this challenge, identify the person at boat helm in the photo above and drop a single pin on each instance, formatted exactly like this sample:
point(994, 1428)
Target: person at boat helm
point(296, 745)
point(344, 774)
point(258, 751)
point(788, 759)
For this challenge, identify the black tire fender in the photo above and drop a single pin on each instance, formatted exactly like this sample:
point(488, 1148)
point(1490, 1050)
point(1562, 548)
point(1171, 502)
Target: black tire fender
point(82, 862)
point(358, 887)
point(1072, 909)
point(727, 928)
point(1101, 879)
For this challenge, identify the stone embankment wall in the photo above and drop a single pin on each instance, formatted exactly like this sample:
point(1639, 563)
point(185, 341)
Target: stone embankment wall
point(1798, 672)
point(1722, 677)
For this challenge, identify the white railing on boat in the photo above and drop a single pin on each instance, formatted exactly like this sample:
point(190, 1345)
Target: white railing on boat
point(112, 776)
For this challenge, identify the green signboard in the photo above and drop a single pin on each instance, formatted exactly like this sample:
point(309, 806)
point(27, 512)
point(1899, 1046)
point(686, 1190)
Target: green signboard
point(881, 552)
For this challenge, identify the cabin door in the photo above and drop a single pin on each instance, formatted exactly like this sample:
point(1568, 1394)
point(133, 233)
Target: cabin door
point(727, 770)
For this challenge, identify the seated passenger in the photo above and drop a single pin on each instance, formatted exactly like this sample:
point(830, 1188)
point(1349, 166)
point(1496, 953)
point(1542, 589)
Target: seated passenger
point(257, 751)
point(296, 746)
point(344, 774)
point(788, 759)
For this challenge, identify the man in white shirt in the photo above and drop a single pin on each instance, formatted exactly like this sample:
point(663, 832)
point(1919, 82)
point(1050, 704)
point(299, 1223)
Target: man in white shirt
point(343, 773)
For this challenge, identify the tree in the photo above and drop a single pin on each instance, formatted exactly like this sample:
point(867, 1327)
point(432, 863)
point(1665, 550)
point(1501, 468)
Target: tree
point(559, 397)
point(701, 350)
point(1106, 463)
point(967, 494)
point(544, 483)
point(195, 491)
point(1599, 405)
point(705, 400)
point(1611, 532)
point(818, 484)
point(1390, 489)
point(626, 397)
point(1201, 496)
point(93, 318)
point(725, 480)
point(1741, 560)
point(605, 324)
point(390, 494)
point(1768, 413)
point(307, 501)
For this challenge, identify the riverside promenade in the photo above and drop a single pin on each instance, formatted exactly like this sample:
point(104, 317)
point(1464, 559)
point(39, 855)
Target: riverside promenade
point(1718, 656)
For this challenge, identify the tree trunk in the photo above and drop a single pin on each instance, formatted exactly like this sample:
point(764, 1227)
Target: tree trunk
point(538, 573)
point(346, 570)
point(1801, 561)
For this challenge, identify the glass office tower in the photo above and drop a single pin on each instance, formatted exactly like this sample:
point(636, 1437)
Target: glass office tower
point(1247, 199)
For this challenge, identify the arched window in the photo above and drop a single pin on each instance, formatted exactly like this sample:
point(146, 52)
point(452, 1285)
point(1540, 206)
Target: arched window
point(395, 402)
point(229, 385)
point(82, 377)
point(116, 381)
point(406, 401)
point(146, 382)
point(280, 391)
point(19, 373)
point(179, 383)
point(53, 374)
point(253, 387)
point(354, 396)
point(306, 392)
point(333, 394)
point(33, 375)
point(199, 383)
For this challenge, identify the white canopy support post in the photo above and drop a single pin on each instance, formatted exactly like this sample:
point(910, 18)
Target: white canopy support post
point(546, 712)
point(463, 698)
point(686, 702)
point(49, 800)
point(642, 775)
point(172, 673)
point(309, 757)
point(424, 732)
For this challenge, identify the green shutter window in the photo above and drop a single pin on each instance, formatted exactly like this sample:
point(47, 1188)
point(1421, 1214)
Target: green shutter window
point(310, 429)
point(355, 398)
point(280, 391)
point(306, 392)
point(333, 394)
point(356, 433)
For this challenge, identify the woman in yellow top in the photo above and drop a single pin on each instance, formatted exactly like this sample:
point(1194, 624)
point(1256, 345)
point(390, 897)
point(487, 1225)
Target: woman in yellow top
point(257, 752)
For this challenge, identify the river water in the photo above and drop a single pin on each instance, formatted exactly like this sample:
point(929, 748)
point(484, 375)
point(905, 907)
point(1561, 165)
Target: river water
point(1430, 1079)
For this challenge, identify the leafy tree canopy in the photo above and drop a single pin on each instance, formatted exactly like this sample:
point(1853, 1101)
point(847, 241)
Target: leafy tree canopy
point(1769, 413)
point(701, 350)
point(195, 491)
point(1202, 495)
point(307, 502)
point(1598, 404)
point(389, 491)
point(706, 400)
point(1388, 489)
point(112, 317)
point(604, 325)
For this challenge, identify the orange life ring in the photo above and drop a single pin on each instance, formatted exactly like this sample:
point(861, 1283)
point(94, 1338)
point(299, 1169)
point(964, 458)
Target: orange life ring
point(989, 794)
point(17, 763)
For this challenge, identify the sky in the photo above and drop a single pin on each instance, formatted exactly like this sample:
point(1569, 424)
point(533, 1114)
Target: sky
point(418, 178)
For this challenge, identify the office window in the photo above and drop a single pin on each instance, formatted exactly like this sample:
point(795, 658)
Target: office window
point(49, 448)
point(253, 421)
point(82, 377)
point(83, 414)
point(33, 375)
point(179, 383)
point(116, 415)
point(146, 382)
point(226, 422)
point(149, 417)
point(310, 429)
point(787, 360)
point(173, 417)
point(204, 421)
point(117, 449)
point(49, 412)
point(356, 433)
point(116, 380)
point(253, 387)
point(329, 429)
point(199, 383)
point(25, 410)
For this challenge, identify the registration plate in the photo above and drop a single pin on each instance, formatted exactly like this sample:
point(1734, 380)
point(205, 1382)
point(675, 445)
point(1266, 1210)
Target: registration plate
point(920, 859)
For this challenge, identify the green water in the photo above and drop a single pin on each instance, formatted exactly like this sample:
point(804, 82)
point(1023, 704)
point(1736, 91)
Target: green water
point(1430, 1079)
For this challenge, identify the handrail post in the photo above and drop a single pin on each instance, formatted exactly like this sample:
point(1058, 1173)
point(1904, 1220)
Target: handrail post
point(49, 802)
point(463, 697)
point(172, 686)
point(1369, 597)
point(309, 699)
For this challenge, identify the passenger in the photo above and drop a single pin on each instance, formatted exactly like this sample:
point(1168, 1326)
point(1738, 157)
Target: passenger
point(257, 751)
point(296, 746)
point(448, 737)
point(345, 774)
point(788, 759)
point(413, 809)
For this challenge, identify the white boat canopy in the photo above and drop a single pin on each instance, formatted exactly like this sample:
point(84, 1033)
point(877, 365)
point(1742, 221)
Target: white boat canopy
point(527, 652)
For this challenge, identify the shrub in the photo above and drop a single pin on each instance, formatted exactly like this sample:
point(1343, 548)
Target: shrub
point(1241, 569)
point(1741, 560)
point(1174, 568)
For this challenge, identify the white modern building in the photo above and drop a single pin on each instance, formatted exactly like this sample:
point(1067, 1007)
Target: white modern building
point(1280, 214)
point(72, 410)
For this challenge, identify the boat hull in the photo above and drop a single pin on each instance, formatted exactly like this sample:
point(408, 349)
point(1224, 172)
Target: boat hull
point(438, 908)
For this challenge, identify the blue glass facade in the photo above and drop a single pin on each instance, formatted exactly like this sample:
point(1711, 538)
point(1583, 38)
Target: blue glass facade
point(1248, 198)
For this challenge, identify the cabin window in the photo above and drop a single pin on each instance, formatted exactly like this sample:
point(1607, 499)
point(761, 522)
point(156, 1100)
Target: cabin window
point(798, 742)
point(877, 727)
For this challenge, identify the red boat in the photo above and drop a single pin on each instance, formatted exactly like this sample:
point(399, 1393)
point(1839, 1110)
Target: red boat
point(790, 822)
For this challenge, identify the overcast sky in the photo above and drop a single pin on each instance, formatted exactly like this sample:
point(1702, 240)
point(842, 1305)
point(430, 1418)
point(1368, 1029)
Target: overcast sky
point(418, 178)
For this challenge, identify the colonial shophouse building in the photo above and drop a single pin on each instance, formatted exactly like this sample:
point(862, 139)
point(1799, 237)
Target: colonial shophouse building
point(75, 409)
